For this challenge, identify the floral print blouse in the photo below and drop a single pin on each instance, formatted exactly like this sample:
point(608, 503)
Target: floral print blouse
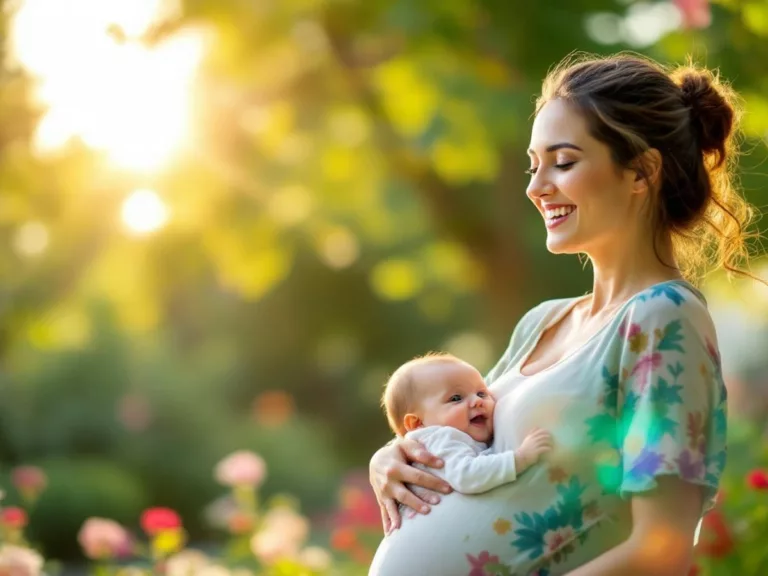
point(642, 398)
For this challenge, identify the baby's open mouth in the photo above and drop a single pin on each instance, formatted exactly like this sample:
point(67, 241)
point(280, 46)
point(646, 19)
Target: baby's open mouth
point(478, 420)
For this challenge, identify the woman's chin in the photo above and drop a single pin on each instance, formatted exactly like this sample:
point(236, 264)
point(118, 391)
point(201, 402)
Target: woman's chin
point(557, 244)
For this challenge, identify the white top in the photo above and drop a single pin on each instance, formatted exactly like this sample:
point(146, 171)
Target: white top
point(470, 467)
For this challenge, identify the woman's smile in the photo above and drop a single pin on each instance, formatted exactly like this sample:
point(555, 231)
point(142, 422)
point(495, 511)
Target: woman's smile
point(556, 214)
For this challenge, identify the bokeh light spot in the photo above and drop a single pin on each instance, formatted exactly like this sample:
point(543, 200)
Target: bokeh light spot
point(144, 212)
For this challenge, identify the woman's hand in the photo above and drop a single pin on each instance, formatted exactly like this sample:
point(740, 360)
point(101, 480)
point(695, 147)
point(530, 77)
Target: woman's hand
point(390, 469)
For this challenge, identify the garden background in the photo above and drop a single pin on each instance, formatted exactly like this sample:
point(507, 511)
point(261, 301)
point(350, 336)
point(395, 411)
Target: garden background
point(223, 222)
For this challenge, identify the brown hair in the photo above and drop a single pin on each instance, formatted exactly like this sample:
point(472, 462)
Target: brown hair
point(400, 395)
point(633, 104)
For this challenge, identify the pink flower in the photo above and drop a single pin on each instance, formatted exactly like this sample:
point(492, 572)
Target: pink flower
point(13, 517)
point(556, 539)
point(154, 520)
point(30, 481)
point(644, 368)
point(478, 564)
point(634, 330)
point(18, 561)
point(102, 539)
point(242, 468)
point(695, 13)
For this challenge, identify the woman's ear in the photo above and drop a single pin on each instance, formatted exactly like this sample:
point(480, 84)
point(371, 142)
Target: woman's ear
point(648, 171)
point(412, 422)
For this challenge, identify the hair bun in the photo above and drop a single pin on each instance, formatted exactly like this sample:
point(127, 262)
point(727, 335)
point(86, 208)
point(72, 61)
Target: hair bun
point(712, 116)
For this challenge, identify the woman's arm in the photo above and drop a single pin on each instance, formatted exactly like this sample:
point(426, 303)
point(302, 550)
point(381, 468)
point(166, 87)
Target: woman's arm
point(661, 543)
point(390, 468)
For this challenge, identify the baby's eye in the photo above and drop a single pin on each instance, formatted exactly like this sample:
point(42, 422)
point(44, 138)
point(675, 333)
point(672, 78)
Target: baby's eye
point(455, 398)
point(482, 394)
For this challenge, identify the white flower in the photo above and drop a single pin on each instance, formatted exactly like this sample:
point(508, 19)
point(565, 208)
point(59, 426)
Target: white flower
point(282, 534)
point(290, 524)
point(188, 562)
point(315, 558)
point(219, 512)
point(18, 561)
point(213, 570)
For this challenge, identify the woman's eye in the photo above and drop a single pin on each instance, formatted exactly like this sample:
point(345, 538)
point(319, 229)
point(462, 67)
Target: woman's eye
point(455, 398)
point(531, 171)
point(564, 165)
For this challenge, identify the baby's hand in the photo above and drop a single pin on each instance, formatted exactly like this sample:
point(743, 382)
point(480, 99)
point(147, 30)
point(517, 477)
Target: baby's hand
point(534, 445)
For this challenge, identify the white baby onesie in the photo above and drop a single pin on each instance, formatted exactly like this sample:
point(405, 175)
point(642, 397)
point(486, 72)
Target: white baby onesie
point(470, 466)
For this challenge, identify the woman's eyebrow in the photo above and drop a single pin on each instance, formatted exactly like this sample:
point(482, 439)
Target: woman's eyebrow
point(558, 146)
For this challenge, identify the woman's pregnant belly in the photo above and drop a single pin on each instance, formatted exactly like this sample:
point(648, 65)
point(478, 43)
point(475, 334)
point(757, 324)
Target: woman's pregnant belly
point(457, 535)
point(466, 533)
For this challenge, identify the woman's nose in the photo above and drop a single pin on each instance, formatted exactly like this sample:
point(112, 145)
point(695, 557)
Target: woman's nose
point(539, 187)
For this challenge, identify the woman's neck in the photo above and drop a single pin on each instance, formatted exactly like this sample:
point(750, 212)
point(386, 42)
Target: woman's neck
point(623, 270)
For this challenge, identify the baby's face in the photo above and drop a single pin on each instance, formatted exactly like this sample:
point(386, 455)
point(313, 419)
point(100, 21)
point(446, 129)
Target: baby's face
point(454, 394)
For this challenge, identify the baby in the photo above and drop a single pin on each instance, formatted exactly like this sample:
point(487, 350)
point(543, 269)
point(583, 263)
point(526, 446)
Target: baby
point(444, 403)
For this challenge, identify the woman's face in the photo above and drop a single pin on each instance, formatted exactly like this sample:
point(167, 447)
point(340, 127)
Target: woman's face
point(587, 202)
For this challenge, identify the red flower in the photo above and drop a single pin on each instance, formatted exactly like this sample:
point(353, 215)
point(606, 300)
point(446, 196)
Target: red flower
point(154, 520)
point(240, 523)
point(758, 479)
point(715, 540)
point(13, 517)
point(343, 539)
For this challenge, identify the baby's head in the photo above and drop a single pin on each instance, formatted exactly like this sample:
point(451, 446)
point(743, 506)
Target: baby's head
point(439, 390)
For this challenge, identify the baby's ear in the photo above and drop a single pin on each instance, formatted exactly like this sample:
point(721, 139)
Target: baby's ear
point(412, 422)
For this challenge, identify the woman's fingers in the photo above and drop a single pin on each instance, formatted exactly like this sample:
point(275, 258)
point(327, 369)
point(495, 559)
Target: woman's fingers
point(429, 496)
point(393, 516)
point(409, 499)
point(426, 480)
point(415, 452)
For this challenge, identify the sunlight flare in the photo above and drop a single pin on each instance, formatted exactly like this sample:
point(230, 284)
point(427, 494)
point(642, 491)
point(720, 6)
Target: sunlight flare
point(144, 212)
point(110, 90)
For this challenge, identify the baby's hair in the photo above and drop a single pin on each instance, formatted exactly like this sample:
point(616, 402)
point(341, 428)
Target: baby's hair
point(400, 396)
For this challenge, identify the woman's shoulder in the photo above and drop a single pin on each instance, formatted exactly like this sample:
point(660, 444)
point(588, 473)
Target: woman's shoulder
point(675, 302)
point(674, 297)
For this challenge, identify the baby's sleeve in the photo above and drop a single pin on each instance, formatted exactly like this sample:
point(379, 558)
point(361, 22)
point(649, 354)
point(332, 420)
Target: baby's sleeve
point(466, 469)
point(671, 400)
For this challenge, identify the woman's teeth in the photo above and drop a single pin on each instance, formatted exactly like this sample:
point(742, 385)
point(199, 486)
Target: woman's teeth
point(556, 212)
point(555, 216)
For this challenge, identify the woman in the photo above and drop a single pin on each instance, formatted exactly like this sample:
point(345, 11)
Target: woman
point(630, 166)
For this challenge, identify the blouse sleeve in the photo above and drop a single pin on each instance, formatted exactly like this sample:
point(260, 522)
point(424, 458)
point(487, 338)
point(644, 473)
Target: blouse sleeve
point(671, 401)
